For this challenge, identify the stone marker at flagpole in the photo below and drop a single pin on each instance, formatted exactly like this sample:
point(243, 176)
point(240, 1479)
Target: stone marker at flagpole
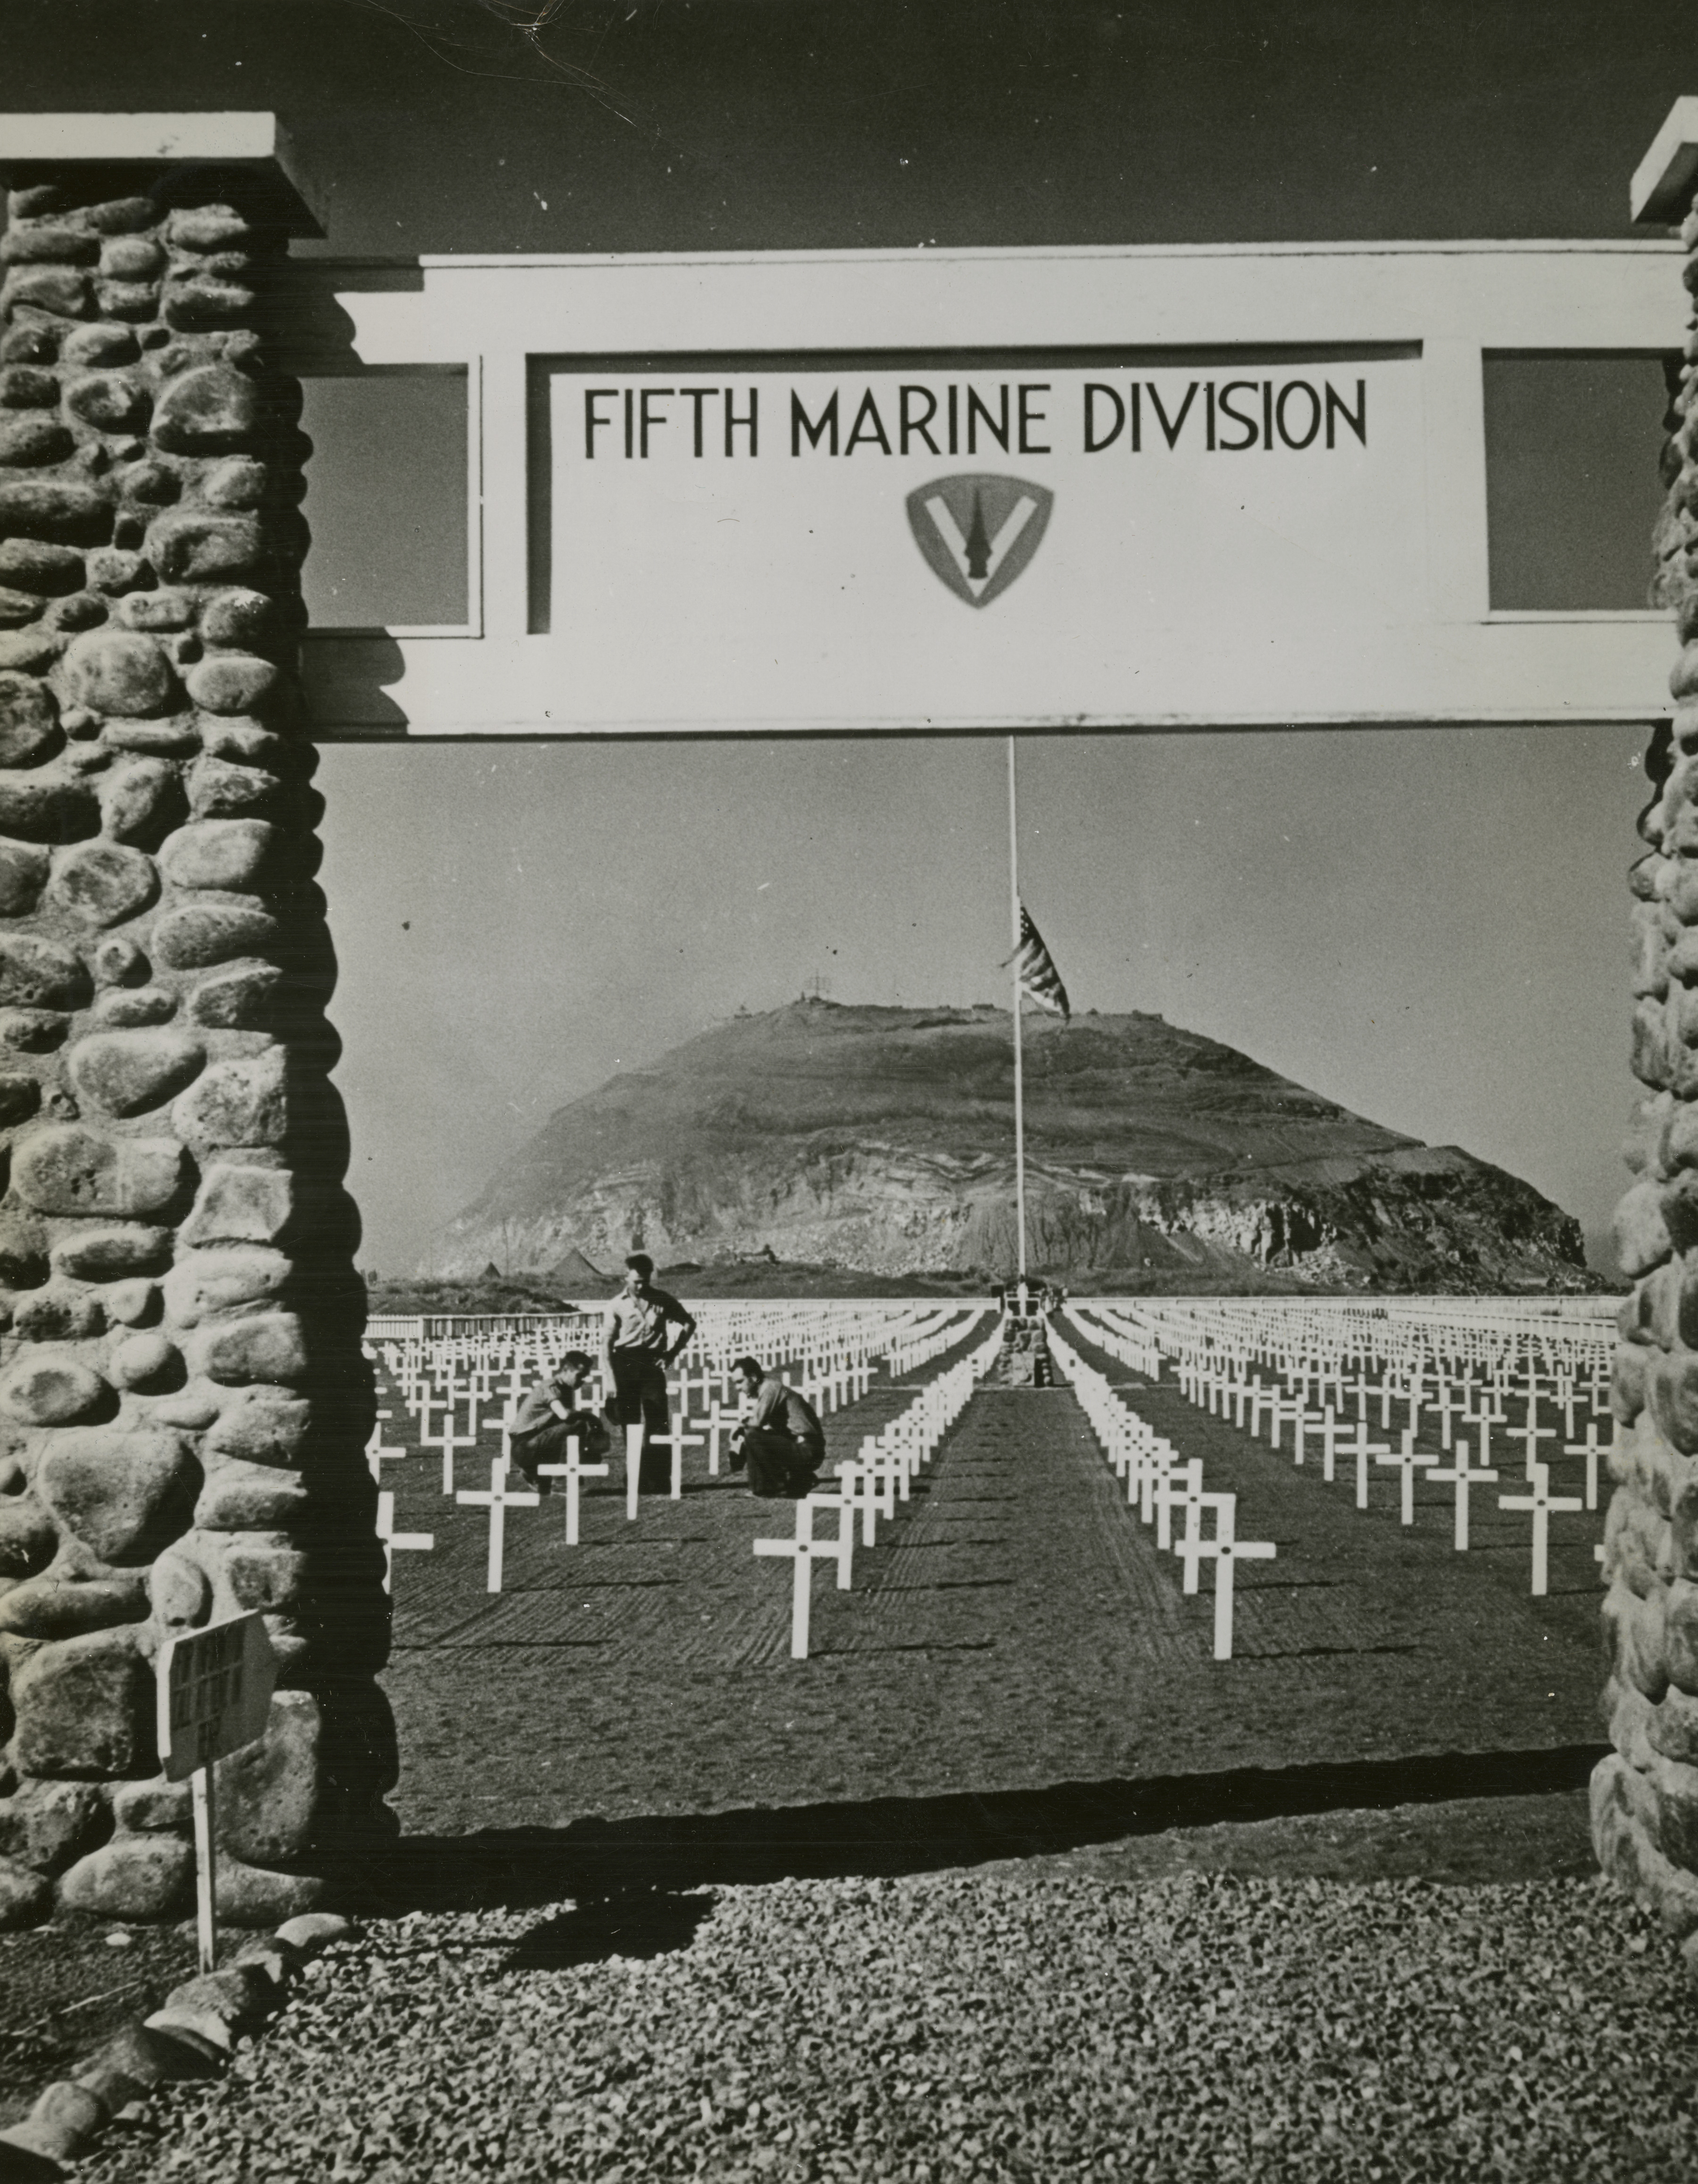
point(184, 1400)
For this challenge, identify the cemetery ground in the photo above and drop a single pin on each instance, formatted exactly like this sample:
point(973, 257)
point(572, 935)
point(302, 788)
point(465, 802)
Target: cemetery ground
point(1009, 1878)
point(1015, 1636)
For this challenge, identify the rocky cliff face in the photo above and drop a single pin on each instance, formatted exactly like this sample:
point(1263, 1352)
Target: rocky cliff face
point(882, 1139)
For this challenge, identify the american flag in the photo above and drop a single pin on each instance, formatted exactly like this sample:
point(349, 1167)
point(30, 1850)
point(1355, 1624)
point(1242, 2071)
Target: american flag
point(1037, 976)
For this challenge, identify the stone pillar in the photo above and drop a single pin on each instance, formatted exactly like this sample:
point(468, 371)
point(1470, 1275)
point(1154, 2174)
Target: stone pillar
point(183, 1400)
point(1645, 1795)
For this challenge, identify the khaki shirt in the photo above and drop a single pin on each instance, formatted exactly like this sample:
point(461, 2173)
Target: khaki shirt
point(536, 1409)
point(640, 1323)
point(779, 1409)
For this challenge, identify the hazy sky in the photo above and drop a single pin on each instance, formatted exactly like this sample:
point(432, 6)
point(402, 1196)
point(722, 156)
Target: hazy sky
point(1428, 926)
point(1425, 925)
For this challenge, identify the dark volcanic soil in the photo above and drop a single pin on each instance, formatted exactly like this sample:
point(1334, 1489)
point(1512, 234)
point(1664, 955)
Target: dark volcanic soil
point(1014, 1632)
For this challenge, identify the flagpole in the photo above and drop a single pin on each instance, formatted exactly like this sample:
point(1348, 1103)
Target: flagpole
point(1019, 1086)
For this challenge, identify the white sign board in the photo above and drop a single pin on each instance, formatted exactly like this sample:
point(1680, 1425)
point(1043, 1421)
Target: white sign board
point(934, 546)
point(1221, 485)
point(215, 1688)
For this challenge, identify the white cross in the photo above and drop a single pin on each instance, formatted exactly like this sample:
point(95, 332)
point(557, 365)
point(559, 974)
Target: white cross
point(888, 1472)
point(1223, 1550)
point(633, 1467)
point(1485, 1418)
point(448, 1441)
point(1226, 1553)
point(377, 1452)
point(391, 1539)
point(572, 1470)
point(678, 1441)
point(843, 1545)
point(718, 1422)
point(1464, 1478)
point(805, 1550)
point(858, 1487)
point(1161, 1463)
point(1543, 1504)
point(1326, 1426)
point(497, 1501)
point(896, 1449)
point(1407, 1462)
point(421, 1405)
point(1591, 1449)
point(1446, 1409)
point(1532, 1434)
point(1192, 1545)
point(472, 1396)
point(1182, 1486)
point(1364, 1451)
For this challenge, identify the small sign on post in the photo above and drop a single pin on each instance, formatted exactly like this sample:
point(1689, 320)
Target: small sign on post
point(215, 1689)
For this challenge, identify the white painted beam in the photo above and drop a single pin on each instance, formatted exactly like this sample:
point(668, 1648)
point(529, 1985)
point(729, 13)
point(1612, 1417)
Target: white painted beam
point(256, 141)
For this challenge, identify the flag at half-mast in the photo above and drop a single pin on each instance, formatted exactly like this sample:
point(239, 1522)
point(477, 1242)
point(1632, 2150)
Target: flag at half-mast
point(1034, 970)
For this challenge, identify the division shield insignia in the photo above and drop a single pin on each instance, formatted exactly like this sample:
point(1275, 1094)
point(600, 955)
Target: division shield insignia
point(978, 531)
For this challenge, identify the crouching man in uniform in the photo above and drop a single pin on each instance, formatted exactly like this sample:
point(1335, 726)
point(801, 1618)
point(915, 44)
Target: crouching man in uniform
point(781, 1442)
point(548, 1417)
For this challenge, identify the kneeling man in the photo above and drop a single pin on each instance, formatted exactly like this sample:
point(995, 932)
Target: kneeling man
point(781, 1442)
point(548, 1417)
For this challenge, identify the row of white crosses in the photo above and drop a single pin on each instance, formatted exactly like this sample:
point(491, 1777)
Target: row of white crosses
point(829, 1340)
point(378, 1452)
point(1159, 1482)
point(831, 1358)
point(838, 1367)
point(1207, 1376)
point(832, 1350)
point(871, 1484)
point(501, 1495)
point(1501, 1349)
point(1477, 1369)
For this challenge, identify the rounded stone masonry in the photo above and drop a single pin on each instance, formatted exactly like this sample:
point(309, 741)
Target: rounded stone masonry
point(1645, 1795)
point(183, 1400)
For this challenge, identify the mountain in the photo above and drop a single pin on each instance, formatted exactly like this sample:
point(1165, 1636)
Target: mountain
point(882, 1140)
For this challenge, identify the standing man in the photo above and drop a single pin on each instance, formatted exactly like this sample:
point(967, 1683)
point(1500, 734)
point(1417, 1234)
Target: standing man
point(781, 1441)
point(548, 1417)
point(637, 1348)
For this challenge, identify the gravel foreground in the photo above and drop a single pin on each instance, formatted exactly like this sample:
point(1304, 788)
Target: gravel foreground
point(970, 2024)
